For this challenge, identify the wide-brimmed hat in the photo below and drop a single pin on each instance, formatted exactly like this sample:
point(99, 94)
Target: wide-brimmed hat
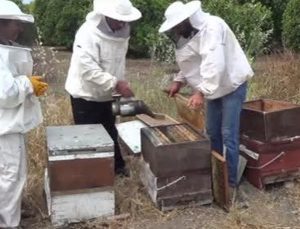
point(177, 12)
point(121, 10)
point(9, 10)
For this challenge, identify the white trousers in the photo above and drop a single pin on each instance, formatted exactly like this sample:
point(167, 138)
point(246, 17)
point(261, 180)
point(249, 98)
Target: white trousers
point(13, 173)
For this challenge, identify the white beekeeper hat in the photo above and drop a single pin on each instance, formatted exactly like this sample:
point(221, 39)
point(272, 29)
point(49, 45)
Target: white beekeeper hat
point(9, 10)
point(121, 10)
point(177, 12)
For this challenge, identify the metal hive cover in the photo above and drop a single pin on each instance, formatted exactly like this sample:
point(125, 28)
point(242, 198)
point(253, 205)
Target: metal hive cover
point(78, 138)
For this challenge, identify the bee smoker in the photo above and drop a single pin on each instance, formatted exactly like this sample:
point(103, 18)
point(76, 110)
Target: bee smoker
point(130, 107)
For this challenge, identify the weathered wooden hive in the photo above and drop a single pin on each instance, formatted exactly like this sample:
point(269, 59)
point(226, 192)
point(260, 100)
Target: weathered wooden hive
point(176, 164)
point(269, 120)
point(79, 177)
point(270, 141)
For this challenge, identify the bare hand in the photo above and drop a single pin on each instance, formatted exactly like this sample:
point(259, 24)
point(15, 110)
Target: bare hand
point(123, 88)
point(196, 100)
point(174, 88)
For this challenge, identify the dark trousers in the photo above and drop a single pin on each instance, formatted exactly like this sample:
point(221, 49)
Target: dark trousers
point(89, 112)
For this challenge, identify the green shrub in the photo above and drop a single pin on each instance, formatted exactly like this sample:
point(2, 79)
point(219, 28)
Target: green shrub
point(145, 31)
point(291, 25)
point(277, 7)
point(58, 20)
point(71, 18)
point(48, 19)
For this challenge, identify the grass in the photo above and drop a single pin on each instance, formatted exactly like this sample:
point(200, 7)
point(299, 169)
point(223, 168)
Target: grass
point(277, 77)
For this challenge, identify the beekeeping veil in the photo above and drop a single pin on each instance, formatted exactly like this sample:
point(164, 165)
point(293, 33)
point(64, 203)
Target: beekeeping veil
point(27, 35)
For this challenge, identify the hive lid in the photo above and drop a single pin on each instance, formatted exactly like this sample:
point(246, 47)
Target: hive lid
point(159, 119)
point(195, 117)
point(78, 138)
point(130, 134)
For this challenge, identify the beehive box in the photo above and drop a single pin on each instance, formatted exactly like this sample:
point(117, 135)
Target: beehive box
point(173, 149)
point(80, 172)
point(130, 131)
point(270, 120)
point(270, 163)
point(168, 193)
point(79, 205)
point(79, 157)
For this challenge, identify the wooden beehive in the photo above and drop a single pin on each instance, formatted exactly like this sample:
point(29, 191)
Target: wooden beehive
point(173, 149)
point(271, 162)
point(270, 120)
point(130, 131)
point(80, 172)
point(170, 192)
point(79, 205)
point(176, 162)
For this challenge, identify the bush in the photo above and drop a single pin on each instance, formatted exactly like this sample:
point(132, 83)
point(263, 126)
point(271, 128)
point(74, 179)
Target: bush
point(145, 31)
point(71, 18)
point(291, 25)
point(58, 20)
point(50, 14)
point(163, 50)
point(277, 7)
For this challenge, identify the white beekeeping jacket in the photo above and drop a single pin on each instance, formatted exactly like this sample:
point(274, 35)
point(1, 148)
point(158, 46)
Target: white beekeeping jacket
point(98, 61)
point(212, 61)
point(19, 108)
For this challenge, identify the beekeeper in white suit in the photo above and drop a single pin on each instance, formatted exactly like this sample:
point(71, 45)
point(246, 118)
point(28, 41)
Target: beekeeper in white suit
point(213, 63)
point(19, 110)
point(97, 67)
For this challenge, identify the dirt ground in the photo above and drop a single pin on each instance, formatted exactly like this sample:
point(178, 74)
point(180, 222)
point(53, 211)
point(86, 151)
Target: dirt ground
point(276, 207)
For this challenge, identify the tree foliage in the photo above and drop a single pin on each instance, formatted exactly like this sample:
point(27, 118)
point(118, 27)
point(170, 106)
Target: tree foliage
point(58, 20)
point(277, 7)
point(256, 23)
point(144, 32)
point(291, 25)
point(72, 16)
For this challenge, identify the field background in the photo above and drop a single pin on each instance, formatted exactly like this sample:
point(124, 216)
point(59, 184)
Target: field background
point(276, 76)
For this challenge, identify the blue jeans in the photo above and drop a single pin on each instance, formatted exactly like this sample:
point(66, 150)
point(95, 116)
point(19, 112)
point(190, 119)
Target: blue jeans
point(223, 126)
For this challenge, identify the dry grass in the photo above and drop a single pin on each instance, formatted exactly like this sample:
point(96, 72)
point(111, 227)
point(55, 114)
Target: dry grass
point(276, 77)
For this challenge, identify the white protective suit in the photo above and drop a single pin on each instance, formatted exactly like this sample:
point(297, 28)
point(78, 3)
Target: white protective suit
point(212, 61)
point(98, 60)
point(19, 112)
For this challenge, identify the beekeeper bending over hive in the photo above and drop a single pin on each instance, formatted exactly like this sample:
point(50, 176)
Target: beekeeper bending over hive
point(212, 62)
point(97, 67)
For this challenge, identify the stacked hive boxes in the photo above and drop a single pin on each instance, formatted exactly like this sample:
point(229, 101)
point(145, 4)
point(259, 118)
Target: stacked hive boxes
point(176, 165)
point(79, 177)
point(270, 140)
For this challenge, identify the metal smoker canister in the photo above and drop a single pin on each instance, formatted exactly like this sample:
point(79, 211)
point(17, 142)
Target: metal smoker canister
point(130, 107)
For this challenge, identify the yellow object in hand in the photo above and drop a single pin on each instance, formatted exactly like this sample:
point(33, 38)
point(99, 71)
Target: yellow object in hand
point(39, 87)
